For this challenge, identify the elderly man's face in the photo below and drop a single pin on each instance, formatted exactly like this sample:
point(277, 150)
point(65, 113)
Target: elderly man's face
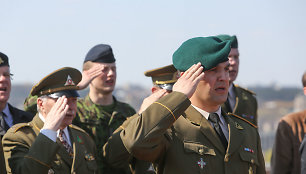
point(48, 103)
point(5, 84)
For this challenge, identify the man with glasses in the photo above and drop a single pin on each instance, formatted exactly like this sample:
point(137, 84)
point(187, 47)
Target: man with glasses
point(9, 115)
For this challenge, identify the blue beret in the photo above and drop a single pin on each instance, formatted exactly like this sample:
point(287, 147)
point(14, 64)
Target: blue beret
point(100, 53)
point(210, 51)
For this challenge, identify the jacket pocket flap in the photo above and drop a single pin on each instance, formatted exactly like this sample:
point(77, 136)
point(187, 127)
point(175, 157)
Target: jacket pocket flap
point(249, 157)
point(198, 148)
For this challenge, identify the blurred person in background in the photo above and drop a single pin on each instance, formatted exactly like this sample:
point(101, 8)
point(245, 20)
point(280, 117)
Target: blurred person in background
point(286, 158)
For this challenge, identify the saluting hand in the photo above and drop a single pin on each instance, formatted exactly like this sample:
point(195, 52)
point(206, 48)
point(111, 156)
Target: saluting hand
point(90, 74)
point(56, 115)
point(189, 80)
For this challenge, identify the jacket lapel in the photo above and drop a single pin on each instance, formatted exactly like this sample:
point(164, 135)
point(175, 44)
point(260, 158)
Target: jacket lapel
point(236, 135)
point(195, 117)
point(237, 99)
point(78, 149)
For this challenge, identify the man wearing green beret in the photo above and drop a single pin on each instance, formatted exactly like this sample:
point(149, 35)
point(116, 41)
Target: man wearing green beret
point(50, 143)
point(100, 113)
point(240, 101)
point(114, 151)
point(186, 131)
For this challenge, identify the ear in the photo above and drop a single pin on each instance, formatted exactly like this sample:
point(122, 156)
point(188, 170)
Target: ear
point(154, 89)
point(40, 103)
point(304, 90)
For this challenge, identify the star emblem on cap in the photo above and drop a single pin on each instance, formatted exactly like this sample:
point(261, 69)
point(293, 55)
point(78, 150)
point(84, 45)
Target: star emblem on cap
point(69, 81)
point(1, 61)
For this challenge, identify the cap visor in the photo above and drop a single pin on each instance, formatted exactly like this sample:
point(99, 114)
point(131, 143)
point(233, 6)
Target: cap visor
point(67, 93)
point(168, 86)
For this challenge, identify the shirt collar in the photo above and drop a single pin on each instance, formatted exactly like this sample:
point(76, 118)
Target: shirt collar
point(6, 110)
point(231, 90)
point(43, 120)
point(206, 114)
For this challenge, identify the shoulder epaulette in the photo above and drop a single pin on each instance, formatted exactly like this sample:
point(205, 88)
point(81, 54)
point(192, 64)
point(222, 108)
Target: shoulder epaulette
point(78, 128)
point(237, 116)
point(245, 89)
point(19, 126)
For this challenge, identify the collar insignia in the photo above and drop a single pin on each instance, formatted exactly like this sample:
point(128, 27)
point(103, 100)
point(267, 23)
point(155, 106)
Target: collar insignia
point(238, 126)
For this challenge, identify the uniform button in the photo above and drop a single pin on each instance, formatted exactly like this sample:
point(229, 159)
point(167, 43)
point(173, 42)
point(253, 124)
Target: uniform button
point(200, 151)
point(252, 161)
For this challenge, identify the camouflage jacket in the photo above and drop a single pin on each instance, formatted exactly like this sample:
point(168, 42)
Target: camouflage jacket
point(100, 125)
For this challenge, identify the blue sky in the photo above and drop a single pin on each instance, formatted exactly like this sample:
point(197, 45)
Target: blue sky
point(42, 36)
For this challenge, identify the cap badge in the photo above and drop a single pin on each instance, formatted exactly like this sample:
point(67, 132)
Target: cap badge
point(151, 168)
point(201, 163)
point(1, 61)
point(69, 81)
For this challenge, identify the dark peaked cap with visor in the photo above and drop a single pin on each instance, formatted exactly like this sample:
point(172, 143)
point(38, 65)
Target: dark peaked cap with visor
point(60, 82)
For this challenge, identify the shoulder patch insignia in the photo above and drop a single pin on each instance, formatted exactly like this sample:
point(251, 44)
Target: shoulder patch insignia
point(20, 126)
point(245, 89)
point(78, 128)
point(231, 114)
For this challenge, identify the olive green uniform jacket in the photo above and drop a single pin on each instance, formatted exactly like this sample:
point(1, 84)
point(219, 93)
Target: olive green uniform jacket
point(116, 154)
point(27, 151)
point(286, 158)
point(179, 140)
point(100, 125)
point(246, 104)
point(19, 116)
point(2, 161)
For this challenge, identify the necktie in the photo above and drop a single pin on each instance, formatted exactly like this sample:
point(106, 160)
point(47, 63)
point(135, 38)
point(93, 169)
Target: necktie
point(227, 104)
point(3, 124)
point(214, 119)
point(65, 143)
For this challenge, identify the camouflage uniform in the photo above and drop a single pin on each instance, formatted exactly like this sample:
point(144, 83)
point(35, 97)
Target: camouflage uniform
point(100, 125)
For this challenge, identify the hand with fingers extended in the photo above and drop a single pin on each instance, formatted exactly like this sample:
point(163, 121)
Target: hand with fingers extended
point(189, 80)
point(56, 115)
point(152, 98)
point(89, 75)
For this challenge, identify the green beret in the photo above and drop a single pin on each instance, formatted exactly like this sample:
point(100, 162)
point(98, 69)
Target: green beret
point(233, 39)
point(60, 82)
point(210, 51)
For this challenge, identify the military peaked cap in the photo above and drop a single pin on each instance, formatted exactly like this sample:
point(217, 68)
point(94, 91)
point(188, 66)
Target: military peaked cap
point(60, 82)
point(164, 77)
